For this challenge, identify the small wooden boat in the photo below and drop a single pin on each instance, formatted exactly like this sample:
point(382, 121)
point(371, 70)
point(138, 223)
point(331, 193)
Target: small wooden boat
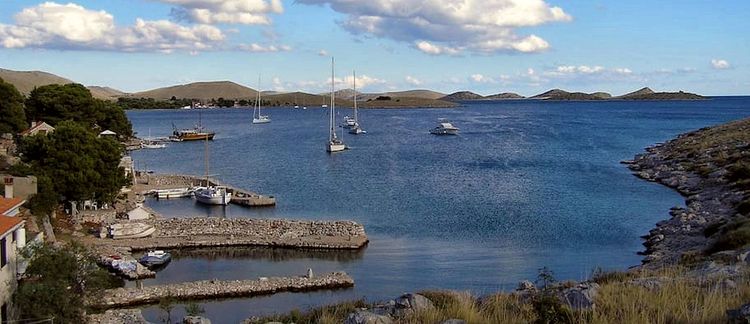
point(173, 193)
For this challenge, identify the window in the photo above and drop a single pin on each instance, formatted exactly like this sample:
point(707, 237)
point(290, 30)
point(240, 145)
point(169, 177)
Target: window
point(3, 253)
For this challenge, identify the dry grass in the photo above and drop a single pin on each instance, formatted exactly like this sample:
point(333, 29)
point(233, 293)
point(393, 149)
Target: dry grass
point(677, 300)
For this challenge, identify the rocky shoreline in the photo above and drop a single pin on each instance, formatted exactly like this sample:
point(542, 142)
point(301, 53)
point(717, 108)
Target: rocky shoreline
point(698, 165)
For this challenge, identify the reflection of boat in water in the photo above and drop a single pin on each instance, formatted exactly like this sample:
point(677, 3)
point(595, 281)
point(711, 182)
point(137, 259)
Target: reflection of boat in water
point(173, 193)
point(444, 128)
point(155, 258)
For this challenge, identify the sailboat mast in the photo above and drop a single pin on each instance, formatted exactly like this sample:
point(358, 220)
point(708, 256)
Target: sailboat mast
point(332, 132)
point(355, 96)
point(257, 99)
point(206, 160)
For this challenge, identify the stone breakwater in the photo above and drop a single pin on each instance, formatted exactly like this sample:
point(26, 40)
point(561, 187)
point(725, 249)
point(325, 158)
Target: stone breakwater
point(695, 164)
point(209, 289)
point(212, 231)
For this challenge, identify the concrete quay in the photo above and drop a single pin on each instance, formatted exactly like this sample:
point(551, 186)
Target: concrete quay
point(210, 289)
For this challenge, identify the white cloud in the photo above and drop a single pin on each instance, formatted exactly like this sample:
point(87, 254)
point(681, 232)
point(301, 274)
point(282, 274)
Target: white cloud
point(720, 64)
point(323, 53)
point(572, 69)
point(479, 78)
point(70, 26)
point(448, 27)
point(622, 71)
point(412, 80)
point(363, 81)
point(433, 49)
point(257, 48)
point(248, 12)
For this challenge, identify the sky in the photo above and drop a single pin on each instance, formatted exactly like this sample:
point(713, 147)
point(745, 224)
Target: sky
point(484, 46)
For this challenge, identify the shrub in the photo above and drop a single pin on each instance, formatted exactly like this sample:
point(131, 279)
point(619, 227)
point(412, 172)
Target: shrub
point(734, 235)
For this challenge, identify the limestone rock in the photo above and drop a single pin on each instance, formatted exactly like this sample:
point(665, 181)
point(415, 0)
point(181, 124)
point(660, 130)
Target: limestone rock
point(415, 302)
point(581, 296)
point(195, 320)
point(366, 317)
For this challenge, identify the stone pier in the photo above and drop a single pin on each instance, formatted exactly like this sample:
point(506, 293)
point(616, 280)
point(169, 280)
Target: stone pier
point(210, 289)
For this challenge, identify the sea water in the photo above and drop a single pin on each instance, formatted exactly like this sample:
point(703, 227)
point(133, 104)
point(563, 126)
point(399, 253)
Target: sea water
point(527, 184)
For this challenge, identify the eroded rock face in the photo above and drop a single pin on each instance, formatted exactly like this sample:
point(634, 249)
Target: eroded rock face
point(581, 296)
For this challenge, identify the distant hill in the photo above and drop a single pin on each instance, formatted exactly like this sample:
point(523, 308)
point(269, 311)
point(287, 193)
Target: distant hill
point(558, 94)
point(504, 95)
point(315, 101)
point(421, 93)
point(462, 95)
point(648, 94)
point(25, 81)
point(106, 93)
point(200, 90)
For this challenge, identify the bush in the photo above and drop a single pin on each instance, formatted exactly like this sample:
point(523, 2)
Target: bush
point(734, 235)
point(738, 172)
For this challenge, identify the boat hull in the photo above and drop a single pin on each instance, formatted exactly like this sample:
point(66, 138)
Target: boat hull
point(444, 132)
point(261, 121)
point(173, 193)
point(335, 147)
point(212, 196)
point(196, 137)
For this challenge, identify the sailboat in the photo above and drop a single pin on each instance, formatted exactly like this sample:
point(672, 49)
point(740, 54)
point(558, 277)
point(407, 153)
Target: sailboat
point(334, 144)
point(212, 195)
point(355, 129)
point(257, 117)
point(150, 143)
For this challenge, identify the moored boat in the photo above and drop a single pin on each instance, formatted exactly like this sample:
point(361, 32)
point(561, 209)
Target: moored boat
point(213, 195)
point(130, 230)
point(173, 193)
point(335, 144)
point(155, 258)
point(444, 128)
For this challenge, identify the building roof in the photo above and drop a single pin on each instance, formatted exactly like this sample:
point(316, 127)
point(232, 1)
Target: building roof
point(38, 126)
point(8, 223)
point(8, 204)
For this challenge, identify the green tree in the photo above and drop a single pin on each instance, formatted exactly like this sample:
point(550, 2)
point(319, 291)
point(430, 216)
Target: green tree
point(57, 282)
point(80, 165)
point(56, 103)
point(12, 114)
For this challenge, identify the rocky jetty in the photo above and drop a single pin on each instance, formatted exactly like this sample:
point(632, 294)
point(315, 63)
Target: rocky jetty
point(711, 168)
point(209, 289)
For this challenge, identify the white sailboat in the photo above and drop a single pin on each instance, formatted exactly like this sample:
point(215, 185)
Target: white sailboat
point(334, 144)
point(354, 128)
point(212, 195)
point(258, 118)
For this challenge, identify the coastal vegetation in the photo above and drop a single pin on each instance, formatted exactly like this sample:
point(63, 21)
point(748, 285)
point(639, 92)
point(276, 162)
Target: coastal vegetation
point(669, 295)
point(59, 279)
point(12, 114)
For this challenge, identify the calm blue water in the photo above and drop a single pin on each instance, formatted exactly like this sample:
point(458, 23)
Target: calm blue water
point(525, 185)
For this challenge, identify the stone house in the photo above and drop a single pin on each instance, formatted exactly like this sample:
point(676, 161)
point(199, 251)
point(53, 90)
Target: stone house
point(38, 127)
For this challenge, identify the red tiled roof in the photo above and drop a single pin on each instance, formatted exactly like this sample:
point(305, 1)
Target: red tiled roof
point(8, 223)
point(7, 204)
point(37, 126)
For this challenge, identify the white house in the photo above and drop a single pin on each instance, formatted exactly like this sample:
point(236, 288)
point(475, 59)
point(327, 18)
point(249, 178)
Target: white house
point(12, 236)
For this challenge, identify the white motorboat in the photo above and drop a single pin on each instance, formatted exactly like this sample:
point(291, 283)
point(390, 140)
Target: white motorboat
point(258, 118)
point(153, 145)
point(130, 230)
point(445, 128)
point(334, 144)
point(173, 193)
point(213, 195)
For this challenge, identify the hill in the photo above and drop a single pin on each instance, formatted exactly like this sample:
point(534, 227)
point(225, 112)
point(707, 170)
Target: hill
point(558, 94)
point(379, 101)
point(462, 95)
point(648, 94)
point(200, 90)
point(25, 81)
point(106, 93)
point(504, 95)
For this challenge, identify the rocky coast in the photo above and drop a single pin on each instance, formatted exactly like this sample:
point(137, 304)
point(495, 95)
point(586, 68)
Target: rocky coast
point(709, 167)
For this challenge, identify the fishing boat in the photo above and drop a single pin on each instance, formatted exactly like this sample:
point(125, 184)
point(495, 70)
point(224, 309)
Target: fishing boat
point(155, 258)
point(258, 118)
point(354, 128)
point(212, 195)
point(334, 144)
point(444, 128)
point(197, 133)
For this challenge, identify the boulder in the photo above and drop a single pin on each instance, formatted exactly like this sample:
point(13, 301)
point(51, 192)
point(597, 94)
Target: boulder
point(453, 321)
point(414, 302)
point(581, 296)
point(740, 315)
point(195, 320)
point(526, 286)
point(366, 317)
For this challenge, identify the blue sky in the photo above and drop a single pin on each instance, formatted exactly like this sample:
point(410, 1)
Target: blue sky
point(491, 46)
